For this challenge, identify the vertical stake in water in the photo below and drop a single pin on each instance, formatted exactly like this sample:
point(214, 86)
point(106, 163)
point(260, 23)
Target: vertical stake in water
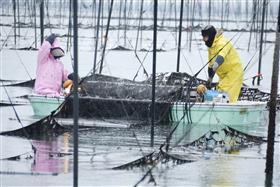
point(273, 102)
point(261, 41)
point(209, 12)
point(15, 21)
point(154, 72)
point(106, 36)
point(35, 23)
point(69, 26)
point(18, 20)
point(97, 36)
point(180, 36)
point(192, 20)
point(76, 99)
point(42, 20)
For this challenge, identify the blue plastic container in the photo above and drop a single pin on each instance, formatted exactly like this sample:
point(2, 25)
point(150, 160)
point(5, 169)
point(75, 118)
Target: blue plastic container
point(209, 95)
point(216, 96)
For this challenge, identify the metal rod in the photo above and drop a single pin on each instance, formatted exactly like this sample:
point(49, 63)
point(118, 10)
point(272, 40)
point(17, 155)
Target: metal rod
point(18, 19)
point(191, 31)
point(209, 12)
point(76, 99)
point(69, 27)
point(180, 35)
point(97, 36)
point(154, 72)
point(15, 21)
point(261, 41)
point(106, 36)
point(35, 23)
point(125, 22)
point(273, 102)
point(42, 20)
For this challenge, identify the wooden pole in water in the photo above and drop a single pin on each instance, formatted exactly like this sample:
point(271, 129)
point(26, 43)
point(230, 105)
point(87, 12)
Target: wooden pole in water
point(164, 14)
point(60, 12)
point(222, 16)
point(175, 20)
point(273, 102)
point(192, 26)
point(42, 20)
point(106, 36)
point(125, 22)
point(180, 36)
point(35, 23)
point(119, 26)
point(18, 20)
point(154, 73)
point(209, 12)
point(15, 22)
point(139, 24)
point(97, 36)
point(69, 27)
point(261, 42)
point(76, 98)
point(254, 9)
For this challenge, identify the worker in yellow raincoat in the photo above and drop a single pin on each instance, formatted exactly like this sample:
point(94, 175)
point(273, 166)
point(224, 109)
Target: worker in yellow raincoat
point(223, 60)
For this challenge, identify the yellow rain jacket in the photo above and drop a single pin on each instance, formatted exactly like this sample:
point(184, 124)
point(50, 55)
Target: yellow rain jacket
point(230, 72)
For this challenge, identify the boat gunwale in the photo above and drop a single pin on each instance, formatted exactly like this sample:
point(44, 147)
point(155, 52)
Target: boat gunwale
point(225, 105)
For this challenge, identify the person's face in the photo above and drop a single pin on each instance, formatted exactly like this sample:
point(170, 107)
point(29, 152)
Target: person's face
point(205, 38)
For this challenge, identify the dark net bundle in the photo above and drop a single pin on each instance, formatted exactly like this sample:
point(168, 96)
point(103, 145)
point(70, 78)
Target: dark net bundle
point(155, 158)
point(227, 138)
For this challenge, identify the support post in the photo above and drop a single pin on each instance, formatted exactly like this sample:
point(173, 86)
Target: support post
point(273, 102)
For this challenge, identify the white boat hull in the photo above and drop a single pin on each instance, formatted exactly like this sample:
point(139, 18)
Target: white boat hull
point(246, 116)
point(241, 113)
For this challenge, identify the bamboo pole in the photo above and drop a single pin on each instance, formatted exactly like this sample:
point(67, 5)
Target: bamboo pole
point(76, 98)
point(97, 36)
point(42, 20)
point(106, 36)
point(192, 26)
point(180, 35)
point(119, 27)
point(15, 22)
point(69, 27)
point(222, 16)
point(154, 73)
point(209, 12)
point(261, 42)
point(252, 28)
point(18, 18)
point(35, 22)
point(273, 102)
point(125, 22)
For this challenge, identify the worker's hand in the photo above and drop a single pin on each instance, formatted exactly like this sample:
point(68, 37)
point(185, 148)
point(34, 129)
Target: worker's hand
point(209, 83)
point(51, 38)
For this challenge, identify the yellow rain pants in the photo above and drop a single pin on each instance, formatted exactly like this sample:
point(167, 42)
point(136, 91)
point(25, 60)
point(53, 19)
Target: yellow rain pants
point(230, 72)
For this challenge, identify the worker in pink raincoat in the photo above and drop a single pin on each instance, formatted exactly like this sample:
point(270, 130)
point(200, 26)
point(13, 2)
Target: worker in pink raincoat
point(50, 72)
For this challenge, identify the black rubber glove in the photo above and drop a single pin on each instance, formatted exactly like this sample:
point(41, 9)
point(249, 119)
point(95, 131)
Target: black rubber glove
point(209, 83)
point(51, 38)
point(71, 77)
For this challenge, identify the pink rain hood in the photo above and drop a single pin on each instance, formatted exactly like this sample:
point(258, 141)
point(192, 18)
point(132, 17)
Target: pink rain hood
point(50, 71)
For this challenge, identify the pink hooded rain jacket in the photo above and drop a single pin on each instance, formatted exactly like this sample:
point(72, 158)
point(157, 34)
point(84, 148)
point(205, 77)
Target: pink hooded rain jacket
point(50, 71)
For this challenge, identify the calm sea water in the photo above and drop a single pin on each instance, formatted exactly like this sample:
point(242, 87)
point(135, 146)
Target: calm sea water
point(115, 143)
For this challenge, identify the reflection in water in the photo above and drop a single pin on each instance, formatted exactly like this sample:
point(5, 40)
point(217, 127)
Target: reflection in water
point(268, 180)
point(47, 158)
point(66, 137)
